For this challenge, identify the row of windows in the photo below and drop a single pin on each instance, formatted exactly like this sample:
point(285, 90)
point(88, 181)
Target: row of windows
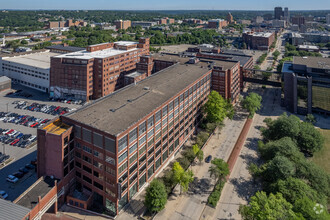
point(122, 143)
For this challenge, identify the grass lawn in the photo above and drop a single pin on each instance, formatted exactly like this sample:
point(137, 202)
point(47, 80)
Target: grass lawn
point(322, 158)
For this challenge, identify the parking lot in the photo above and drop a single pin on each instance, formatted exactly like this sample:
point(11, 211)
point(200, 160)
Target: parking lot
point(21, 113)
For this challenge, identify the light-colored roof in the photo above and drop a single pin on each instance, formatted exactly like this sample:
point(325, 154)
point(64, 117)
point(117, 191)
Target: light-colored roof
point(12, 211)
point(120, 110)
point(125, 43)
point(262, 34)
point(40, 60)
point(4, 79)
point(308, 47)
point(85, 55)
point(312, 62)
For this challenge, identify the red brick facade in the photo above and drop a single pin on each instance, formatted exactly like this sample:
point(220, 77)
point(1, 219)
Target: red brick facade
point(95, 77)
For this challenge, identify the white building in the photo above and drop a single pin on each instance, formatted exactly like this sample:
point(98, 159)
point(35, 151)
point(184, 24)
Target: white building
point(31, 70)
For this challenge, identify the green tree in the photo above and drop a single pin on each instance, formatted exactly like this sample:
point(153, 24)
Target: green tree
point(284, 147)
point(182, 177)
point(219, 169)
point(293, 189)
point(310, 118)
point(156, 197)
point(276, 54)
point(283, 126)
point(200, 155)
point(201, 138)
point(305, 206)
point(24, 42)
point(252, 103)
point(195, 149)
point(262, 207)
point(310, 139)
point(315, 176)
point(216, 108)
point(278, 168)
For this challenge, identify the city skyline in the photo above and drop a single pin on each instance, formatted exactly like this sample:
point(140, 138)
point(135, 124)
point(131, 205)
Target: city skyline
point(168, 5)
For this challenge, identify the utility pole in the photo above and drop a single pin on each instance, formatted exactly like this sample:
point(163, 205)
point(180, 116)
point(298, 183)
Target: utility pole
point(3, 148)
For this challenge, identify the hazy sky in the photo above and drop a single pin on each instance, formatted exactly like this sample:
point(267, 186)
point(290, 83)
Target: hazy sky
point(167, 4)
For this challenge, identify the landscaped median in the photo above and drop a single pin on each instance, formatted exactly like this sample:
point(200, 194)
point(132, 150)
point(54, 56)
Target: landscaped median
point(220, 183)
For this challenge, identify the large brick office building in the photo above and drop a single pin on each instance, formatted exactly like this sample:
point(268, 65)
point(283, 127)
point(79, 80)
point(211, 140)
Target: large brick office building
point(114, 146)
point(258, 40)
point(95, 72)
point(225, 73)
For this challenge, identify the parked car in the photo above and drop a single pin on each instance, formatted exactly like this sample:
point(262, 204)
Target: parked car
point(18, 174)
point(208, 159)
point(29, 166)
point(12, 179)
point(3, 195)
point(23, 170)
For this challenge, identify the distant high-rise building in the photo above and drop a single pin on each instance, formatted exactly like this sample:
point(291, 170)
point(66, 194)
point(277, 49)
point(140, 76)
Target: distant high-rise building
point(299, 20)
point(278, 13)
point(120, 24)
point(286, 14)
point(328, 18)
point(230, 18)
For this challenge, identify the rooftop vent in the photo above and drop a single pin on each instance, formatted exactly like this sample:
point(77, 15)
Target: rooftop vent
point(146, 88)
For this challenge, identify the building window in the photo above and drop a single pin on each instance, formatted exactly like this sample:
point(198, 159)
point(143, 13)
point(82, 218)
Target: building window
point(158, 116)
point(132, 158)
point(122, 143)
point(142, 149)
point(142, 128)
point(87, 149)
point(142, 140)
point(133, 148)
point(122, 168)
point(132, 135)
point(110, 170)
point(122, 157)
point(164, 113)
point(150, 121)
point(110, 160)
point(150, 171)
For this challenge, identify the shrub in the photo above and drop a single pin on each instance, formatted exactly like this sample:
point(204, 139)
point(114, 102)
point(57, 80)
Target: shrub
point(215, 195)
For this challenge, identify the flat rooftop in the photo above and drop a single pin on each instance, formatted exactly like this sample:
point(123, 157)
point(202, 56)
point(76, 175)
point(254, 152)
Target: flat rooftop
point(120, 110)
point(86, 55)
point(30, 199)
point(56, 127)
point(12, 211)
point(312, 62)
point(66, 48)
point(203, 61)
point(39, 60)
point(260, 34)
point(134, 74)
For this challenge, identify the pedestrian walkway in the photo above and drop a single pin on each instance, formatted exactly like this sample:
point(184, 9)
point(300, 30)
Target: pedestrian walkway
point(191, 204)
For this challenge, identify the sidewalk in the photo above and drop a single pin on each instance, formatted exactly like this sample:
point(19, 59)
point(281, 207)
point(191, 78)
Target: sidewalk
point(191, 204)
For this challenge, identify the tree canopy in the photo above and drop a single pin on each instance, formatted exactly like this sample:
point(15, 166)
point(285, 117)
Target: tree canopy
point(262, 207)
point(217, 108)
point(182, 177)
point(219, 169)
point(156, 197)
point(252, 103)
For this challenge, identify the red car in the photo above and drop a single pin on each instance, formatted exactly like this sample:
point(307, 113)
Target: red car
point(10, 131)
point(33, 125)
point(14, 142)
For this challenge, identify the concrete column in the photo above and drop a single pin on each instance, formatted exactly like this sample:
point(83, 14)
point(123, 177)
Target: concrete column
point(55, 207)
point(309, 97)
point(295, 94)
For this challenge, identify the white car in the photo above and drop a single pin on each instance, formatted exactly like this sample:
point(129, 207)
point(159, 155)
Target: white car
point(3, 194)
point(32, 138)
point(12, 179)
